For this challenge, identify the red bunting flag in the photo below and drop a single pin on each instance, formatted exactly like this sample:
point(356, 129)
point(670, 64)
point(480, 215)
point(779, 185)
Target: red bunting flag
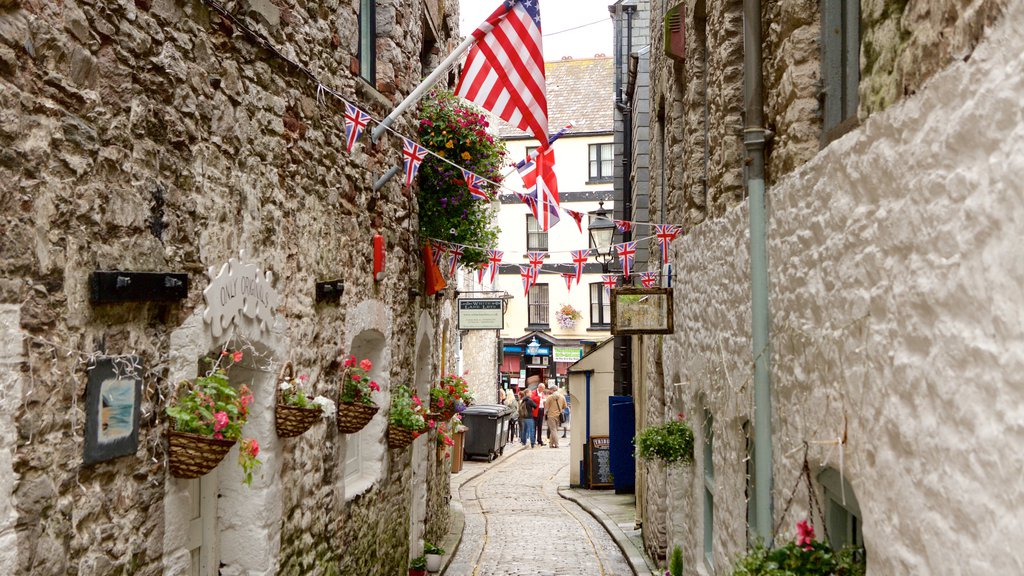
point(494, 259)
point(569, 278)
point(541, 184)
point(454, 255)
point(481, 271)
point(536, 260)
point(355, 122)
point(627, 254)
point(610, 281)
point(576, 216)
point(475, 184)
point(440, 249)
point(623, 225)
point(579, 258)
point(665, 233)
point(412, 156)
point(649, 279)
point(528, 278)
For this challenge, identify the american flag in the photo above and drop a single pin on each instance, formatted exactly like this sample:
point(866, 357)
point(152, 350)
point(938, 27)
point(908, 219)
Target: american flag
point(528, 278)
point(412, 156)
point(627, 253)
point(610, 281)
point(665, 233)
point(542, 186)
point(454, 255)
point(504, 72)
point(536, 260)
point(355, 122)
point(494, 258)
point(623, 225)
point(649, 279)
point(569, 278)
point(579, 258)
point(576, 216)
point(475, 184)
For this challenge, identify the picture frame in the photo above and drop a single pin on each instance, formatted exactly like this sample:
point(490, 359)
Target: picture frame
point(113, 398)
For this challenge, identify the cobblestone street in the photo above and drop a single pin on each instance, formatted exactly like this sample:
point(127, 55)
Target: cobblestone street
point(518, 525)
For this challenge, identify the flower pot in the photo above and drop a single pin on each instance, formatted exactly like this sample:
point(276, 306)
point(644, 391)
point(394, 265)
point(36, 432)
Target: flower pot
point(399, 438)
point(352, 417)
point(417, 572)
point(192, 455)
point(434, 562)
point(291, 421)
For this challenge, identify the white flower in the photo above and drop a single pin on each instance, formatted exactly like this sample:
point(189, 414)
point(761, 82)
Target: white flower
point(285, 386)
point(327, 405)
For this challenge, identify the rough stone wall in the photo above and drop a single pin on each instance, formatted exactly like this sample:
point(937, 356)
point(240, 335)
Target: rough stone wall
point(152, 135)
point(895, 318)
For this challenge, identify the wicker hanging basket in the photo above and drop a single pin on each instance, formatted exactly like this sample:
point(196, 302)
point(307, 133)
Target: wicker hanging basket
point(399, 438)
point(192, 455)
point(291, 421)
point(353, 417)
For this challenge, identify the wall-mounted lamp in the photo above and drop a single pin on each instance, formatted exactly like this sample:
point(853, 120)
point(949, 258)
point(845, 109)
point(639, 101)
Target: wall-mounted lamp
point(533, 348)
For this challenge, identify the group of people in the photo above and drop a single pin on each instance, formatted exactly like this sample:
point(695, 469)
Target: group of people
point(534, 408)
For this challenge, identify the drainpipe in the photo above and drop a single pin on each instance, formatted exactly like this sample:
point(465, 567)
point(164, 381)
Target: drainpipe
point(754, 141)
point(624, 344)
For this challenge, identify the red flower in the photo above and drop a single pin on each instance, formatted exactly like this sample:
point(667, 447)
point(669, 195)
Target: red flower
point(366, 365)
point(416, 400)
point(374, 386)
point(804, 534)
point(251, 447)
point(237, 356)
point(350, 361)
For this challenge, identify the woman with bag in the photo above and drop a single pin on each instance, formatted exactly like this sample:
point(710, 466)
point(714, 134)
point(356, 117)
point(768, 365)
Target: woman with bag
point(526, 408)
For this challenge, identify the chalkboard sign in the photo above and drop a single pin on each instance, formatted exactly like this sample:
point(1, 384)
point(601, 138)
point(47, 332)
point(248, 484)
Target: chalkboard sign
point(600, 462)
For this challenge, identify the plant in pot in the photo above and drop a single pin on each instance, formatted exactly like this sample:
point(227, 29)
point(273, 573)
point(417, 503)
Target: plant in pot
point(296, 412)
point(406, 419)
point(804, 556)
point(450, 396)
point(356, 406)
point(208, 415)
point(418, 566)
point(434, 555)
point(671, 443)
point(567, 316)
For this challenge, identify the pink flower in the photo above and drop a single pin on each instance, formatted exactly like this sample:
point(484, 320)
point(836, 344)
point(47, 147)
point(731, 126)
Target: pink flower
point(350, 361)
point(218, 436)
point(220, 421)
point(432, 424)
point(251, 447)
point(237, 356)
point(416, 400)
point(366, 365)
point(356, 377)
point(303, 378)
point(374, 386)
point(440, 402)
point(804, 534)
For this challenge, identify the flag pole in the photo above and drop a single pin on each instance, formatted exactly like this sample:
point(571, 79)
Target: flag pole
point(425, 85)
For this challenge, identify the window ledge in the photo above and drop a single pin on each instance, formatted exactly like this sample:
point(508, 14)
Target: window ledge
point(544, 327)
point(599, 328)
point(599, 180)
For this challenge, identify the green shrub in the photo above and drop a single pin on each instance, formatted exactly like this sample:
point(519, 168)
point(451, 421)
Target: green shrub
point(671, 443)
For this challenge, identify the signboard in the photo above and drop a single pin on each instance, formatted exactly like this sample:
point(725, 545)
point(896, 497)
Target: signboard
point(481, 314)
point(239, 290)
point(563, 354)
point(599, 472)
point(642, 311)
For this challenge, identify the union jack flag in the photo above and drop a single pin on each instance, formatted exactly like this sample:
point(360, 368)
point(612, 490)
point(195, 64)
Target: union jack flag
point(454, 255)
point(440, 250)
point(504, 72)
point(577, 216)
point(610, 281)
point(569, 278)
point(627, 253)
point(665, 233)
point(539, 179)
point(623, 225)
point(579, 258)
point(536, 260)
point(412, 156)
point(649, 279)
point(494, 258)
point(481, 271)
point(528, 278)
point(475, 184)
point(355, 122)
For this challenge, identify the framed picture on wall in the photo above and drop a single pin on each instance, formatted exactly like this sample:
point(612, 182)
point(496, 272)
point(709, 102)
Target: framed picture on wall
point(642, 311)
point(112, 400)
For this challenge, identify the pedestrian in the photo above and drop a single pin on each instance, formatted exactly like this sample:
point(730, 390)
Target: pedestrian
point(566, 413)
point(512, 402)
point(538, 414)
point(526, 409)
point(553, 406)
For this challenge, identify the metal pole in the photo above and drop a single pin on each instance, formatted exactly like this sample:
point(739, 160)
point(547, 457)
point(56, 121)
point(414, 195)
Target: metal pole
point(427, 83)
point(754, 141)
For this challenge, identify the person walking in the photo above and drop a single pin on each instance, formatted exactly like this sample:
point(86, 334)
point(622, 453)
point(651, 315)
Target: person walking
point(526, 409)
point(553, 406)
point(509, 399)
point(538, 396)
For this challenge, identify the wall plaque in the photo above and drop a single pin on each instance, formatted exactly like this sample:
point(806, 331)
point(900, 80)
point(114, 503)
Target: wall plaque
point(239, 289)
point(112, 398)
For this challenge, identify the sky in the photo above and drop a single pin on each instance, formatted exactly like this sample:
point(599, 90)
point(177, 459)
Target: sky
point(577, 28)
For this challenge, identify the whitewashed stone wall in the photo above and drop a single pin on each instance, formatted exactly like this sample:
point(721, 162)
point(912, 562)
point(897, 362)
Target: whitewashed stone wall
point(895, 274)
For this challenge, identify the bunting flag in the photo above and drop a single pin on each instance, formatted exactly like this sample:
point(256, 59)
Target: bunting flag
point(481, 271)
point(439, 251)
point(536, 260)
point(539, 178)
point(569, 278)
point(577, 216)
point(504, 71)
point(579, 258)
point(665, 233)
point(610, 281)
point(627, 253)
point(530, 202)
point(412, 156)
point(433, 279)
point(355, 122)
point(623, 225)
point(649, 279)
point(528, 278)
point(454, 255)
point(475, 184)
point(494, 259)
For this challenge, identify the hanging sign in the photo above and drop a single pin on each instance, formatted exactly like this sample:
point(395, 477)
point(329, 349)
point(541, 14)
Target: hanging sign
point(481, 314)
point(239, 290)
point(565, 354)
point(642, 311)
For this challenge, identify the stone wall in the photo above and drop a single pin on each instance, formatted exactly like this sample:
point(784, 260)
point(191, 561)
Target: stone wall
point(154, 135)
point(895, 322)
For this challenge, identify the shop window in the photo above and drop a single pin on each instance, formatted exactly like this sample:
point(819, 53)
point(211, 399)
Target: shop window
point(600, 306)
point(840, 26)
point(536, 239)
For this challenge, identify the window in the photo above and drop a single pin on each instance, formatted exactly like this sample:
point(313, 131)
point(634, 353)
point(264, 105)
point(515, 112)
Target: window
point(368, 40)
point(537, 302)
point(751, 494)
point(600, 162)
point(530, 150)
point(535, 238)
point(709, 490)
point(840, 25)
point(842, 512)
point(600, 306)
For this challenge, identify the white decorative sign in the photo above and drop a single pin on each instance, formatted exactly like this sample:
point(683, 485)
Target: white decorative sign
point(239, 289)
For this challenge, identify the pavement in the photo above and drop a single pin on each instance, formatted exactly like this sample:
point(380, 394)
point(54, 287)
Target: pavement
point(517, 516)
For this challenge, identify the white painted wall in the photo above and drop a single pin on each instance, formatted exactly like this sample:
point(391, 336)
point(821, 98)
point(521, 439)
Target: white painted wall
point(601, 387)
point(11, 358)
point(896, 313)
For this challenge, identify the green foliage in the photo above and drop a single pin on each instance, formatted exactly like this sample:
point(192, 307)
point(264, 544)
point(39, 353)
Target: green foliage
point(675, 565)
point(457, 131)
point(429, 548)
point(418, 563)
point(406, 410)
point(811, 559)
point(671, 443)
point(356, 386)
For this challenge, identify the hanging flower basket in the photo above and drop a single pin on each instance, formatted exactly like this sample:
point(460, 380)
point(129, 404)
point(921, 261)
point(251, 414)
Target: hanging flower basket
point(399, 437)
point(292, 420)
point(353, 417)
point(192, 455)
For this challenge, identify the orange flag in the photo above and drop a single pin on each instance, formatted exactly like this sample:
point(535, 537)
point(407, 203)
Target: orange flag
point(432, 274)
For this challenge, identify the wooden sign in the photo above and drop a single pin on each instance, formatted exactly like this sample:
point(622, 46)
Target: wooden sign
point(642, 311)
